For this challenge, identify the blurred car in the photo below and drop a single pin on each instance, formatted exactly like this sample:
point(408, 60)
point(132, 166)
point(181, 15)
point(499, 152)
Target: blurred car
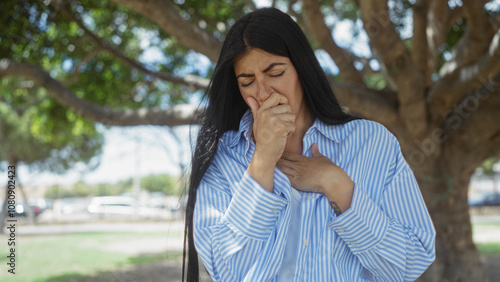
point(157, 200)
point(72, 205)
point(42, 203)
point(22, 209)
point(484, 199)
point(112, 205)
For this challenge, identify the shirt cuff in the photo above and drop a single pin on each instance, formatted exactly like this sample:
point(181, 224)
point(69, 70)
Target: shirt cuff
point(254, 210)
point(363, 225)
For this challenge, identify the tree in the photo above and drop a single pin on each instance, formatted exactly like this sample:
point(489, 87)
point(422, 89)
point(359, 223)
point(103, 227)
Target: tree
point(34, 132)
point(160, 183)
point(431, 76)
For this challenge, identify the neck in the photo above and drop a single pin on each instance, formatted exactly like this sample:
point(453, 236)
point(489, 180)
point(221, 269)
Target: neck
point(303, 122)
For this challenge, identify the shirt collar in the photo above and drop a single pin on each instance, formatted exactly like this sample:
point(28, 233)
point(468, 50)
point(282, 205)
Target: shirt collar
point(335, 133)
point(245, 129)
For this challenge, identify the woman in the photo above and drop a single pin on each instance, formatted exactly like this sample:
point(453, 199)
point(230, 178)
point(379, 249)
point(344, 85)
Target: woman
point(285, 186)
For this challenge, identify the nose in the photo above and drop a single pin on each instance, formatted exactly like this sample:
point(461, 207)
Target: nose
point(264, 90)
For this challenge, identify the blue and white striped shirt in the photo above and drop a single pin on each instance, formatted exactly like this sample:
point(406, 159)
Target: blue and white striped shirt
point(240, 228)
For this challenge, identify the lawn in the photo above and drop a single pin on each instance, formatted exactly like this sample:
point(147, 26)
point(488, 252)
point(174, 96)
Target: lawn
point(67, 256)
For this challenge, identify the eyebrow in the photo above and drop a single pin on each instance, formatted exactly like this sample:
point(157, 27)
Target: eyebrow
point(265, 70)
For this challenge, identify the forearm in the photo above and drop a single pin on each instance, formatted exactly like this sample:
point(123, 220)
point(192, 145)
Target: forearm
point(340, 198)
point(401, 255)
point(339, 195)
point(234, 227)
point(385, 245)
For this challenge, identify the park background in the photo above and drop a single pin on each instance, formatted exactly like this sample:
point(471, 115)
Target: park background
point(97, 98)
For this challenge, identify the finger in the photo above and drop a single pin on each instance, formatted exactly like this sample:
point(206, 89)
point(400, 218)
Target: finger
point(286, 163)
point(253, 104)
point(315, 151)
point(287, 118)
point(281, 109)
point(275, 99)
point(284, 124)
point(288, 171)
point(289, 128)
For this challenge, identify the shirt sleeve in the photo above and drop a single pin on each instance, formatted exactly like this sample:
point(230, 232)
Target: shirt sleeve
point(393, 238)
point(231, 226)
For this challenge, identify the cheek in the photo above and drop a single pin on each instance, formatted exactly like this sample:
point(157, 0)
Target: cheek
point(294, 93)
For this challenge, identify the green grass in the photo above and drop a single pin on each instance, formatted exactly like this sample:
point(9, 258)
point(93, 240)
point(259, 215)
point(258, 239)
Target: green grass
point(68, 256)
point(487, 223)
point(490, 248)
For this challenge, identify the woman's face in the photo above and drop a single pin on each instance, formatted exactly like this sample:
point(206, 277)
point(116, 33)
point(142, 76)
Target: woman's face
point(260, 73)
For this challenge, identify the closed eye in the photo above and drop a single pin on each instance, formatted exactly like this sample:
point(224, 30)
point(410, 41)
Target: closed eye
point(246, 84)
point(271, 75)
point(277, 75)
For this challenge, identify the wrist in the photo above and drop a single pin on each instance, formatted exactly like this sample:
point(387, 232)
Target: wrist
point(262, 171)
point(265, 156)
point(341, 195)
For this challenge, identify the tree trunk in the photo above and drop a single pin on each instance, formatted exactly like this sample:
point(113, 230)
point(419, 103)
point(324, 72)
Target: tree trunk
point(457, 258)
point(3, 213)
point(30, 213)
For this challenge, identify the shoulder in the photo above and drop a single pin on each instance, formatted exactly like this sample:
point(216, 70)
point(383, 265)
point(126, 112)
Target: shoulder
point(370, 128)
point(370, 137)
point(229, 138)
point(363, 130)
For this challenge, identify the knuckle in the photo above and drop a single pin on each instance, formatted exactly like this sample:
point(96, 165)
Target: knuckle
point(274, 121)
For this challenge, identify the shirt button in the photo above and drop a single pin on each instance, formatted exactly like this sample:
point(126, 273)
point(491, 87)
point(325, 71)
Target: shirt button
point(274, 211)
point(341, 230)
point(266, 230)
point(306, 242)
point(309, 197)
point(355, 244)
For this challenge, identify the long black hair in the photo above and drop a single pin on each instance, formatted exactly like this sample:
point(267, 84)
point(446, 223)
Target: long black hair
point(275, 32)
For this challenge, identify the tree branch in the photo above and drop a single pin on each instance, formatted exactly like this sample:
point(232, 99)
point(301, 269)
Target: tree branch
point(75, 72)
point(366, 102)
point(475, 40)
point(293, 13)
point(454, 15)
point(476, 21)
point(436, 36)
point(451, 88)
point(168, 18)
point(251, 4)
point(323, 35)
point(478, 120)
point(429, 21)
point(383, 36)
point(459, 12)
point(394, 54)
point(420, 45)
point(193, 82)
point(174, 116)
